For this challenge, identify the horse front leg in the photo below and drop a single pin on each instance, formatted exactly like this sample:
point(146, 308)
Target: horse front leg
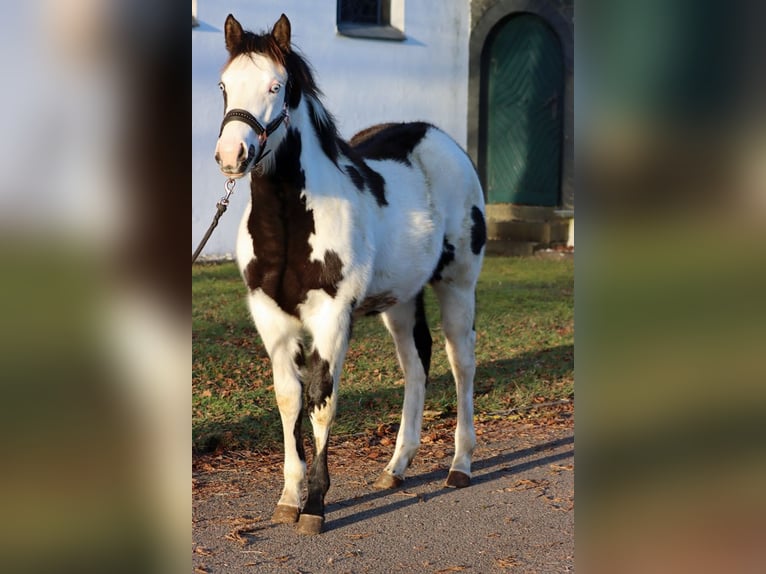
point(321, 373)
point(281, 335)
point(288, 391)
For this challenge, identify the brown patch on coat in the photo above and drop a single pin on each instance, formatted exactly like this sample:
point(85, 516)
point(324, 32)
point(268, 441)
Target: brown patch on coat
point(374, 304)
point(280, 225)
point(367, 133)
point(390, 141)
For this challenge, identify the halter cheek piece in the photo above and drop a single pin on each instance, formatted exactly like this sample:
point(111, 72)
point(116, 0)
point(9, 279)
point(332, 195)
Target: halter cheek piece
point(240, 115)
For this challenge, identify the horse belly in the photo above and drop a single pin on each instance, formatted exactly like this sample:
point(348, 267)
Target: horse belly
point(409, 234)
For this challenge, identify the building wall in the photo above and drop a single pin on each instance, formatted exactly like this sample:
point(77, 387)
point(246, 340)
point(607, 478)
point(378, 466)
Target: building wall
point(564, 7)
point(364, 81)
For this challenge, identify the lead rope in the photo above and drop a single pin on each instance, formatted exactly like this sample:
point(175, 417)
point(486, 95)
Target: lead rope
point(220, 208)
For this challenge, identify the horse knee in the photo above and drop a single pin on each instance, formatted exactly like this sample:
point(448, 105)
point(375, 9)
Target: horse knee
point(288, 403)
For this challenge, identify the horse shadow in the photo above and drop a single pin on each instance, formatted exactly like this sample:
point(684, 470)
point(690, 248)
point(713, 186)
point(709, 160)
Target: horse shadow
point(552, 363)
point(499, 466)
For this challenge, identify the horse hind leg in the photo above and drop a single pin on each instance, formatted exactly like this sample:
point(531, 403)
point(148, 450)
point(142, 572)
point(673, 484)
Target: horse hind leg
point(407, 325)
point(457, 309)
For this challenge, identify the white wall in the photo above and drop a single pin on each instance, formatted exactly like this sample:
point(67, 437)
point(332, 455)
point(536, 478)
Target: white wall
point(365, 82)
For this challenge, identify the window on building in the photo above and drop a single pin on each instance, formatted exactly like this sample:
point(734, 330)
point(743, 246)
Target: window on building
point(368, 19)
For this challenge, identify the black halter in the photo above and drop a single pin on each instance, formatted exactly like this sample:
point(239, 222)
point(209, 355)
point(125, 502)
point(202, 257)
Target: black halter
point(244, 116)
point(241, 115)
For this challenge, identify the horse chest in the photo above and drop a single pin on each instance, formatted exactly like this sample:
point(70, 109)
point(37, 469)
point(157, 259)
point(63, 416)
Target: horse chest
point(280, 227)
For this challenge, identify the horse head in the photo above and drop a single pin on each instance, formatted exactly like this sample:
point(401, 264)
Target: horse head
point(254, 83)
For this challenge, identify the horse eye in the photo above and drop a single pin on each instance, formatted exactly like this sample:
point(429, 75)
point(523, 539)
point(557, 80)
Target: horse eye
point(221, 86)
point(274, 89)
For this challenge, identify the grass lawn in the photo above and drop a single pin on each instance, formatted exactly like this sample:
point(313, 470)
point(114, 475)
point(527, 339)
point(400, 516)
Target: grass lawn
point(525, 355)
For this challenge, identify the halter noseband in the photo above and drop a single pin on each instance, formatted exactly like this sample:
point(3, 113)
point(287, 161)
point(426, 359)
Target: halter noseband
point(241, 115)
point(244, 116)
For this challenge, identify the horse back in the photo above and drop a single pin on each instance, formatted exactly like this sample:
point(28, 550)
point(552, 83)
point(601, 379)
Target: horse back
point(434, 197)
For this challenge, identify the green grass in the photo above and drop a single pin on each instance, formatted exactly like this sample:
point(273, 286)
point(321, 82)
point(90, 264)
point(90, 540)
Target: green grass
point(525, 353)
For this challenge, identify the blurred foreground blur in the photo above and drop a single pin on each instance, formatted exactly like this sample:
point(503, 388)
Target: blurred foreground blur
point(94, 307)
point(94, 326)
point(671, 319)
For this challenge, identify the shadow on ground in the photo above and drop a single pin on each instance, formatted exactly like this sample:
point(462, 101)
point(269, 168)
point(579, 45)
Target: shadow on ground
point(483, 470)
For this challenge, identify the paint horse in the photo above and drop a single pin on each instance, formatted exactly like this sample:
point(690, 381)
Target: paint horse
point(338, 230)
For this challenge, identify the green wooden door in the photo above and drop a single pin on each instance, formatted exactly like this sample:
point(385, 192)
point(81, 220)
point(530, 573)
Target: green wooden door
point(524, 96)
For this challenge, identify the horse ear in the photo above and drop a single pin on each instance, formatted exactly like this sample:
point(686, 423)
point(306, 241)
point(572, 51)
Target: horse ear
point(281, 33)
point(232, 33)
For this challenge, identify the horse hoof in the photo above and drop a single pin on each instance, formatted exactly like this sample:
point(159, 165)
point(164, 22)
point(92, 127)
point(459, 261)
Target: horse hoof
point(386, 481)
point(310, 524)
point(285, 514)
point(457, 479)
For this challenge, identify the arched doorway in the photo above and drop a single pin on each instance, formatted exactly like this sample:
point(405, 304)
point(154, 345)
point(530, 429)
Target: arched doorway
point(521, 112)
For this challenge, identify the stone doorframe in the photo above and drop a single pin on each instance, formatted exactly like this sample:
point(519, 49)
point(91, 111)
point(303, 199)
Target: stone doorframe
point(485, 23)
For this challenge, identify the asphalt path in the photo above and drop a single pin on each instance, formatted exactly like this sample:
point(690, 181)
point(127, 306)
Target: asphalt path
point(517, 515)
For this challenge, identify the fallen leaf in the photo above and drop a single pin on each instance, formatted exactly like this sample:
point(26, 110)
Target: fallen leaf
point(527, 484)
point(236, 534)
point(508, 562)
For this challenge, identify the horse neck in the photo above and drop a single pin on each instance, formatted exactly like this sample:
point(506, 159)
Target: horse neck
point(320, 143)
point(308, 151)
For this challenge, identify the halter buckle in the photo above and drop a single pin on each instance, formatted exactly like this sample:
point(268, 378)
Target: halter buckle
point(229, 185)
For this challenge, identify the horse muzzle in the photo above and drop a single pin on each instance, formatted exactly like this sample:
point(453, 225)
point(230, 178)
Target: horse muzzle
point(237, 161)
